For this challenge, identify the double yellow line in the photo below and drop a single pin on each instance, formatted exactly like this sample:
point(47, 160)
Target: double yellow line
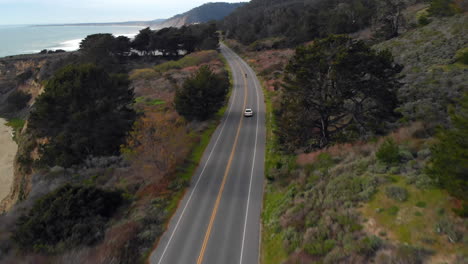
point(226, 173)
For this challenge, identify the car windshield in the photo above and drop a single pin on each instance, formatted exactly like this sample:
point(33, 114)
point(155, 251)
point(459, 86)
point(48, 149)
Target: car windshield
point(248, 110)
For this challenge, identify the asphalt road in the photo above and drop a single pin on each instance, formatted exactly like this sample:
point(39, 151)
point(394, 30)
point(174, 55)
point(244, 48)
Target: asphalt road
point(218, 220)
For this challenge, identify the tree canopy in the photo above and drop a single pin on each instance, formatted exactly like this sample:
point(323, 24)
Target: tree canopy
point(336, 89)
point(99, 45)
point(83, 111)
point(170, 41)
point(202, 95)
point(70, 215)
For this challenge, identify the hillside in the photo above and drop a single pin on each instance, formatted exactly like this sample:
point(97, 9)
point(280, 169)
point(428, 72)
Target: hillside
point(293, 22)
point(350, 202)
point(201, 14)
point(434, 75)
point(296, 21)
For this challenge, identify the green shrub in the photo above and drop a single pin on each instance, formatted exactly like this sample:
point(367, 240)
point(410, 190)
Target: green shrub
point(319, 247)
point(396, 193)
point(405, 154)
point(443, 8)
point(388, 152)
point(423, 20)
point(71, 216)
point(17, 100)
point(380, 167)
point(324, 162)
point(291, 239)
point(421, 204)
point(424, 153)
point(394, 170)
point(16, 123)
point(447, 227)
point(369, 245)
point(146, 74)
point(393, 210)
point(463, 211)
point(463, 57)
point(410, 254)
point(148, 101)
point(337, 255)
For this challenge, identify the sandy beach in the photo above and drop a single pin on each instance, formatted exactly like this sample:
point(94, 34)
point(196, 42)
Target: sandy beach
point(8, 150)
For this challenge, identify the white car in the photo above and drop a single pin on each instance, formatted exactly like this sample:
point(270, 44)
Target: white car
point(248, 112)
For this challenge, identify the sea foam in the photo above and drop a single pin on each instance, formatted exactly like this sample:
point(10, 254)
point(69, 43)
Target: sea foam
point(74, 44)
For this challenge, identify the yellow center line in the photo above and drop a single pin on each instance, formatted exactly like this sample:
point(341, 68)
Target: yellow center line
point(226, 172)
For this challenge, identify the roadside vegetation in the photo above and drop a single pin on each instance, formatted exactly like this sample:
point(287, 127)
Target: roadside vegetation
point(382, 196)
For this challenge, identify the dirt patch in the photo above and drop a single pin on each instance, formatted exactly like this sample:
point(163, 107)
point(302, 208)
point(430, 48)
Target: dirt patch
point(7, 154)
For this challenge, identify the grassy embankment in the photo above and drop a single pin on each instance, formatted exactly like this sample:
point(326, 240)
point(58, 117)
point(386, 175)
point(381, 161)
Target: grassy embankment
point(272, 242)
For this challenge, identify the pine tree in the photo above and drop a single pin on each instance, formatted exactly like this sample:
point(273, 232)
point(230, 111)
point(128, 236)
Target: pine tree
point(336, 89)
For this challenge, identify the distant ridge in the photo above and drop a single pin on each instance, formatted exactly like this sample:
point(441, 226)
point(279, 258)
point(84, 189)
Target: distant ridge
point(201, 14)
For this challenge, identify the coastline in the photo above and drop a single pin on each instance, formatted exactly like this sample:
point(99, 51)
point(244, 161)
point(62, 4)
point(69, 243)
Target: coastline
point(7, 155)
point(28, 40)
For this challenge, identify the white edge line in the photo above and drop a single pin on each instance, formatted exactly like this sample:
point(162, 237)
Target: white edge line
point(252, 171)
point(199, 178)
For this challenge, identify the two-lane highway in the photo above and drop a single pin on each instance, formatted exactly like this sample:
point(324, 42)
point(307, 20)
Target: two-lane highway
point(218, 220)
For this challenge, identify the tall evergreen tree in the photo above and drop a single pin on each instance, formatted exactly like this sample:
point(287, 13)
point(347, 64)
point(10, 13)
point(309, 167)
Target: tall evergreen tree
point(336, 89)
point(83, 111)
point(142, 40)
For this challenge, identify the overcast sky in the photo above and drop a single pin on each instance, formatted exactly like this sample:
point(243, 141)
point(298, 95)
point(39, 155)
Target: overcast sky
point(83, 11)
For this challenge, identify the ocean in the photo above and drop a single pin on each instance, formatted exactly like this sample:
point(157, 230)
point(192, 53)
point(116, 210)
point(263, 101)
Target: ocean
point(25, 39)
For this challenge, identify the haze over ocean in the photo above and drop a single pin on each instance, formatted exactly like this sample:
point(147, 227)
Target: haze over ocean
point(25, 39)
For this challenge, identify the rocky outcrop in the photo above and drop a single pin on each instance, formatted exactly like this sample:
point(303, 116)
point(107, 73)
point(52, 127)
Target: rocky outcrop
point(24, 73)
point(177, 21)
